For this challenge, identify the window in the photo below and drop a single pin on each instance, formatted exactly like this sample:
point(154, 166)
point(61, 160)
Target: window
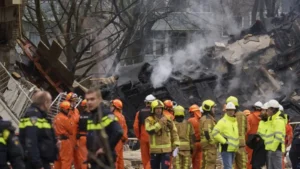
point(85, 41)
point(34, 37)
point(159, 48)
point(178, 40)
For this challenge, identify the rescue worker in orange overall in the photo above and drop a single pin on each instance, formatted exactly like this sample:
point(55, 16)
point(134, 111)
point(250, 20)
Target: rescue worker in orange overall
point(289, 133)
point(168, 110)
point(195, 114)
point(81, 136)
point(74, 114)
point(64, 132)
point(141, 133)
point(116, 107)
point(241, 157)
point(253, 121)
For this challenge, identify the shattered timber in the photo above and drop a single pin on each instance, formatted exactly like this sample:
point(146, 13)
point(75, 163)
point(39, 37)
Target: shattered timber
point(259, 64)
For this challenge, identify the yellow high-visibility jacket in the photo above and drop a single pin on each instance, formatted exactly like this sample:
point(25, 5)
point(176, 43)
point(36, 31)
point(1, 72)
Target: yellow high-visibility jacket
point(163, 136)
point(226, 132)
point(275, 134)
point(262, 128)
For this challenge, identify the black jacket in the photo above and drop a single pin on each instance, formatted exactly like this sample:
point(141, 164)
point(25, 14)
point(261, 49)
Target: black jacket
point(10, 148)
point(259, 156)
point(112, 129)
point(37, 137)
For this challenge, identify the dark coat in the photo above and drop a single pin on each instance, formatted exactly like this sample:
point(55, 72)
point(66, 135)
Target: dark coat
point(259, 156)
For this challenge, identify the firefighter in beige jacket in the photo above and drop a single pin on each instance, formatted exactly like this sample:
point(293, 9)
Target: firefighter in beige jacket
point(186, 136)
point(163, 136)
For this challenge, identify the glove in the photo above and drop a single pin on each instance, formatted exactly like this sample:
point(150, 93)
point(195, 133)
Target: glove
point(224, 146)
point(169, 124)
point(175, 152)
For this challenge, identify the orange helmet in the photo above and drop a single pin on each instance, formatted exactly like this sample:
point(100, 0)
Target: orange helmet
point(168, 104)
point(83, 103)
point(194, 108)
point(117, 103)
point(247, 112)
point(71, 96)
point(65, 105)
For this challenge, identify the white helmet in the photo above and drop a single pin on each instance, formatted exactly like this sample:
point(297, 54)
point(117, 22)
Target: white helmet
point(201, 110)
point(149, 98)
point(265, 106)
point(258, 104)
point(281, 107)
point(230, 106)
point(273, 104)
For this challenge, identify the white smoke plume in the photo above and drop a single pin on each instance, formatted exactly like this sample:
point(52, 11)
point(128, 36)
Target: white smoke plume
point(187, 60)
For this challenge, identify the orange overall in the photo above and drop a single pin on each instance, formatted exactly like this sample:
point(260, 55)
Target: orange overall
point(253, 121)
point(288, 139)
point(74, 114)
point(169, 114)
point(142, 135)
point(80, 149)
point(197, 153)
point(119, 148)
point(64, 132)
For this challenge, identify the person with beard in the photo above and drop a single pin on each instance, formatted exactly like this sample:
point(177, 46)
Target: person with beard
point(103, 132)
point(256, 141)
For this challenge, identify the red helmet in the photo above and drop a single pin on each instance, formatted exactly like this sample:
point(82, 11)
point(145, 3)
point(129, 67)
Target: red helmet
point(65, 106)
point(83, 103)
point(71, 96)
point(117, 103)
point(168, 104)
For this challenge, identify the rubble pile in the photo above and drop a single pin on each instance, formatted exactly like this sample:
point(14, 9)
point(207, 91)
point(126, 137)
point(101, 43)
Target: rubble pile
point(259, 64)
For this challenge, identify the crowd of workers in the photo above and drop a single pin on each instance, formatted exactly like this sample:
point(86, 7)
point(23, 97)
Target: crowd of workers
point(93, 135)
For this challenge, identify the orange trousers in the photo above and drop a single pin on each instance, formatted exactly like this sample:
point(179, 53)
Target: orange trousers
point(250, 152)
point(197, 156)
point(80, 153)
point(283, 164)
point(119, 164)
point(145, 153)
point(65, 158)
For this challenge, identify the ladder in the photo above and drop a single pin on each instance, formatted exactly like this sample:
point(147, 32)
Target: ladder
point(54, 108)
point(15, 96)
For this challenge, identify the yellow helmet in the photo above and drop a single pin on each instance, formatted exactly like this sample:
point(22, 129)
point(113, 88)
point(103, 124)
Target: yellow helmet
point(156, 104)
point(207, 105)
point(178, 111)
point(233, 99)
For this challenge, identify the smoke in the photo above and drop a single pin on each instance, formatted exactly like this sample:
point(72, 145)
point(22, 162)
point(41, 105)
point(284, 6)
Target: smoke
point(187, 61)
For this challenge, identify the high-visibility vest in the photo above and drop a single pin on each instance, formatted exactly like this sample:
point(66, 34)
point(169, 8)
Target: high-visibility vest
point(226, 132)
point(262, 129)
point(275, 135)
point(105, 121)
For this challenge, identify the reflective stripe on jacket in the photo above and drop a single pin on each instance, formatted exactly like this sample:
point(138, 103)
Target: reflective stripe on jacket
point(105, 121)
point(207, 123)
point(163, 137)
point(242, 127)
point(262, 129)
point(275, 134)
point(226, 132)
point(185, 134)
